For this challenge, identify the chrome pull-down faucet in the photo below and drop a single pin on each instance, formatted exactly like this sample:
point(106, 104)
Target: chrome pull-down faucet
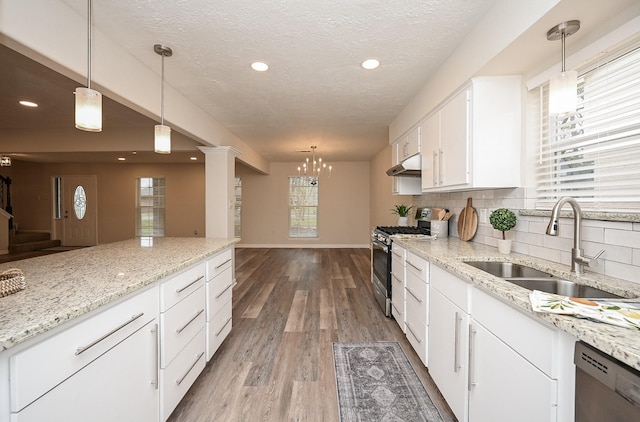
point(578, 260)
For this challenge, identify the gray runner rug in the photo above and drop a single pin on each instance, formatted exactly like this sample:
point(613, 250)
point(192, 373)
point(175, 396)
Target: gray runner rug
point(376, 382)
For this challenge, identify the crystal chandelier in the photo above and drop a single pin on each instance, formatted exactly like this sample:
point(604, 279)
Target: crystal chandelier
point(312, 168)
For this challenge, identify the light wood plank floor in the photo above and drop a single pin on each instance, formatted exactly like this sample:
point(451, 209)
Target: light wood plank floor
point(277, 364)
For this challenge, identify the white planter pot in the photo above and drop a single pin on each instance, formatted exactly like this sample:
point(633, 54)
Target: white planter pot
point(403, 221)
point(504, 246)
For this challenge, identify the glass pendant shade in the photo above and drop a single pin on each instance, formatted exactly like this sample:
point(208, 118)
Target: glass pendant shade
point(162, 144)
point(88, 109)
point(563, 92)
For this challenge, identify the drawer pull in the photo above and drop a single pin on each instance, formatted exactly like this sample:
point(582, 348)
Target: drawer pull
point(414, 334)
point(396, 277)
point(399, 255)
point(82, 349)
point(182, 289)
point(179, 380)
point(222, 329)
point(414, 265)
point(414, 295)
point(156, 355)
point(179, 330)
point(225, 289)
point(223, 264)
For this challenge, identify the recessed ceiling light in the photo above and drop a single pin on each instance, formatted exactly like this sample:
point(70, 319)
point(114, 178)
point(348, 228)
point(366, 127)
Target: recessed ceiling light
point(121, 159)
point(370, 64)
point(28, 103)
point(193, 158)
point(259, 66)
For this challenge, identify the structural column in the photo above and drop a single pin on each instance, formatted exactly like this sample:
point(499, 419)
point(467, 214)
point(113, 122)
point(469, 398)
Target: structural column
point(220, 163)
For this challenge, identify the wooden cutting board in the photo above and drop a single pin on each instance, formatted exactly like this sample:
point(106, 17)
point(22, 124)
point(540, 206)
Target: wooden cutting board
point(467, 222)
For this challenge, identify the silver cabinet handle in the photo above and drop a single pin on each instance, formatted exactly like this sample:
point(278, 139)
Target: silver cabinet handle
point(396, 253)
point(396, 277)
point(414, 295)
point(456, 344)
point(181, 329)
point(221, 265)
point(435, 172)
point(470, 379)
point(414, 265)
point(179, 380)
point(394, 307)
point(225, 289)
point(156, 355)
point(182, 289)
point(82, 349)
point(440, 172)
point(414, 334)
point(222, 329)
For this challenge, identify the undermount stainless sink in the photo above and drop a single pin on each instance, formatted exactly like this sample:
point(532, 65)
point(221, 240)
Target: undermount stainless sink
point(533, 279)
point(508, 269)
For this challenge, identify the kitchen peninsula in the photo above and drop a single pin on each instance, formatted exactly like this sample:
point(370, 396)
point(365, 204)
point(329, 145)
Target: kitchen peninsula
point(107, 316)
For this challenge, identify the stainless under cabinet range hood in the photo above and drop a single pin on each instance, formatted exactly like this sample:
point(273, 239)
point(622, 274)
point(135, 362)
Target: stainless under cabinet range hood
point(409, 167)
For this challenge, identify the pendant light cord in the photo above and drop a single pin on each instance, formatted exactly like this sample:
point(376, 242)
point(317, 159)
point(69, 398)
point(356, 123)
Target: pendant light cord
point(162, 93)
point(90, 11)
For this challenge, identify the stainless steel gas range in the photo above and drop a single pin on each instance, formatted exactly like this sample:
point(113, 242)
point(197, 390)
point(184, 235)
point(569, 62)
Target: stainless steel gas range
point(381, 241)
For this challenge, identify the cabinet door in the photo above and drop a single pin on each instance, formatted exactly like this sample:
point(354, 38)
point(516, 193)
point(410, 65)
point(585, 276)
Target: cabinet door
point(448, 352)
point(505, 386)
point(412, 143)
point(430, 152)
point(454, 141)
point(120, 385)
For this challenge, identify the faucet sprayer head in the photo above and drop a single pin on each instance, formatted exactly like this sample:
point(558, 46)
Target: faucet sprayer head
point(552, 228)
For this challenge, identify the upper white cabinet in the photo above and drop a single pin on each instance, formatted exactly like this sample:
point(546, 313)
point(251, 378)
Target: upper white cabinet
point(407, 146)
point(472, 140)
point(403, 149)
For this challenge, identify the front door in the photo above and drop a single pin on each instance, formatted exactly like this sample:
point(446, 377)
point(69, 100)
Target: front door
point(80, 210)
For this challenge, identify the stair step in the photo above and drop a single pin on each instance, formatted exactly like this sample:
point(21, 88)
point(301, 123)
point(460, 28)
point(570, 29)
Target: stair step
point(33, 246)
point(26, 237)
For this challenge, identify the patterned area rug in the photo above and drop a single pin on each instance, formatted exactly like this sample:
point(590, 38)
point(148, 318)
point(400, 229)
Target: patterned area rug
point(376, 382)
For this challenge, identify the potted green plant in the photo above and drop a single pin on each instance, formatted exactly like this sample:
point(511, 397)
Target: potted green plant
point(402, 211)
point(504, 220)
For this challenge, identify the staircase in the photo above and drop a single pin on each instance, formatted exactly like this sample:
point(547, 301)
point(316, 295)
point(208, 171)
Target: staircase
point(30, 241)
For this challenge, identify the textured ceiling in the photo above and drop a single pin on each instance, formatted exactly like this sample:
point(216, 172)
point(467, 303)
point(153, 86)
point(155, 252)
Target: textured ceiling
point(315, 92)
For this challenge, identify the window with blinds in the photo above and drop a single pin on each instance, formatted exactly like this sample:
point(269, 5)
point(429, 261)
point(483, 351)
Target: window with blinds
point(150, 207)
point(594, 154)
point(303, 207)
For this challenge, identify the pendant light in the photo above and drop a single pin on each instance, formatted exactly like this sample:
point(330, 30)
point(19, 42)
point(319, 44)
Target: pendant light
point(563, 87)
point(162, 140)
point(312, 169)
point(88, 101)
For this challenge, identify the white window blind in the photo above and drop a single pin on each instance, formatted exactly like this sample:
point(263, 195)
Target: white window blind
point(594, 154)
point(303, 206)
point(150, 207)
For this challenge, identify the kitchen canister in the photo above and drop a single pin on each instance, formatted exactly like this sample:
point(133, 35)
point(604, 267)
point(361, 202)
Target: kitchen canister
point(440, 228)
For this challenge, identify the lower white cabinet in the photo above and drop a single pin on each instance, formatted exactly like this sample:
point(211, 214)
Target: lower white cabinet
point(417, 299)
point(449, 339)
point(219, 287)
point(90, 372)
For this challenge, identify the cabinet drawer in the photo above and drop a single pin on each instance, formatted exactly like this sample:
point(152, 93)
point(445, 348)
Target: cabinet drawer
point(534, 341)
point(180, 286)
point(218, 328)
point(456, 290)
point(38, 369)
point(219, 291)
point(417, 334)
point(176, 379)
point(219, 263)
point(417, 297)
point(417, 266)
point(397, 310)
point(179, 324)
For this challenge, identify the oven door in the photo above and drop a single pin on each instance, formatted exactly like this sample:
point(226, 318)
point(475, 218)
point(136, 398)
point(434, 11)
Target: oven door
point(380, 274)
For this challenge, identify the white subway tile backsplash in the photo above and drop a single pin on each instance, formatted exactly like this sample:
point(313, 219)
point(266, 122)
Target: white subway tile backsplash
point(620, 240)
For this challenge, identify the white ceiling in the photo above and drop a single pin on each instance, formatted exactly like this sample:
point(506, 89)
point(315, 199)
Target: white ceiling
point(315, 92)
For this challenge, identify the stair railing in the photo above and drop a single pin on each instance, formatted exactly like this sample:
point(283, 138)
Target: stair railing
point(5, 197)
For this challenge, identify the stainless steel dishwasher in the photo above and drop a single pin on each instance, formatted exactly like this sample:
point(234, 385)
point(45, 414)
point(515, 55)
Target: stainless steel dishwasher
point(606, 389)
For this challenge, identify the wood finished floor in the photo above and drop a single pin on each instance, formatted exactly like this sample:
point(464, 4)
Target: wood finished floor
point(289, 306)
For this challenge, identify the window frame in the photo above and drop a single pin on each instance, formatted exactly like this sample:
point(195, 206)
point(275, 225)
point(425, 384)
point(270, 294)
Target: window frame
point(157, 209)
point(307, 211)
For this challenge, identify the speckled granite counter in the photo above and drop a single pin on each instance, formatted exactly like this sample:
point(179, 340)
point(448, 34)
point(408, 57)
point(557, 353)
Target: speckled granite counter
point(621, 343)
point(63, 286)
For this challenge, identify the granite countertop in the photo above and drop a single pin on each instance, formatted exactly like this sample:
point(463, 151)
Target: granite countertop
point(621, 343)
point(66, 285)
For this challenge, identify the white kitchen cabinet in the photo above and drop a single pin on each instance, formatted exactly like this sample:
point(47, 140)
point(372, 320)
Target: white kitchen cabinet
point(472, 134)
point(219, 285)
point(449, 305)
point(417, 299)
point(398, 277)
point(407, 147)
point(103, 368)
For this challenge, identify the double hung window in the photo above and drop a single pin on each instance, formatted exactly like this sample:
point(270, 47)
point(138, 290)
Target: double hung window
point(150, 207)
point(303, 207)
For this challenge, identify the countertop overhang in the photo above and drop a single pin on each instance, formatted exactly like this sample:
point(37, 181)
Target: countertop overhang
point(64, 286)
point(621, 343)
